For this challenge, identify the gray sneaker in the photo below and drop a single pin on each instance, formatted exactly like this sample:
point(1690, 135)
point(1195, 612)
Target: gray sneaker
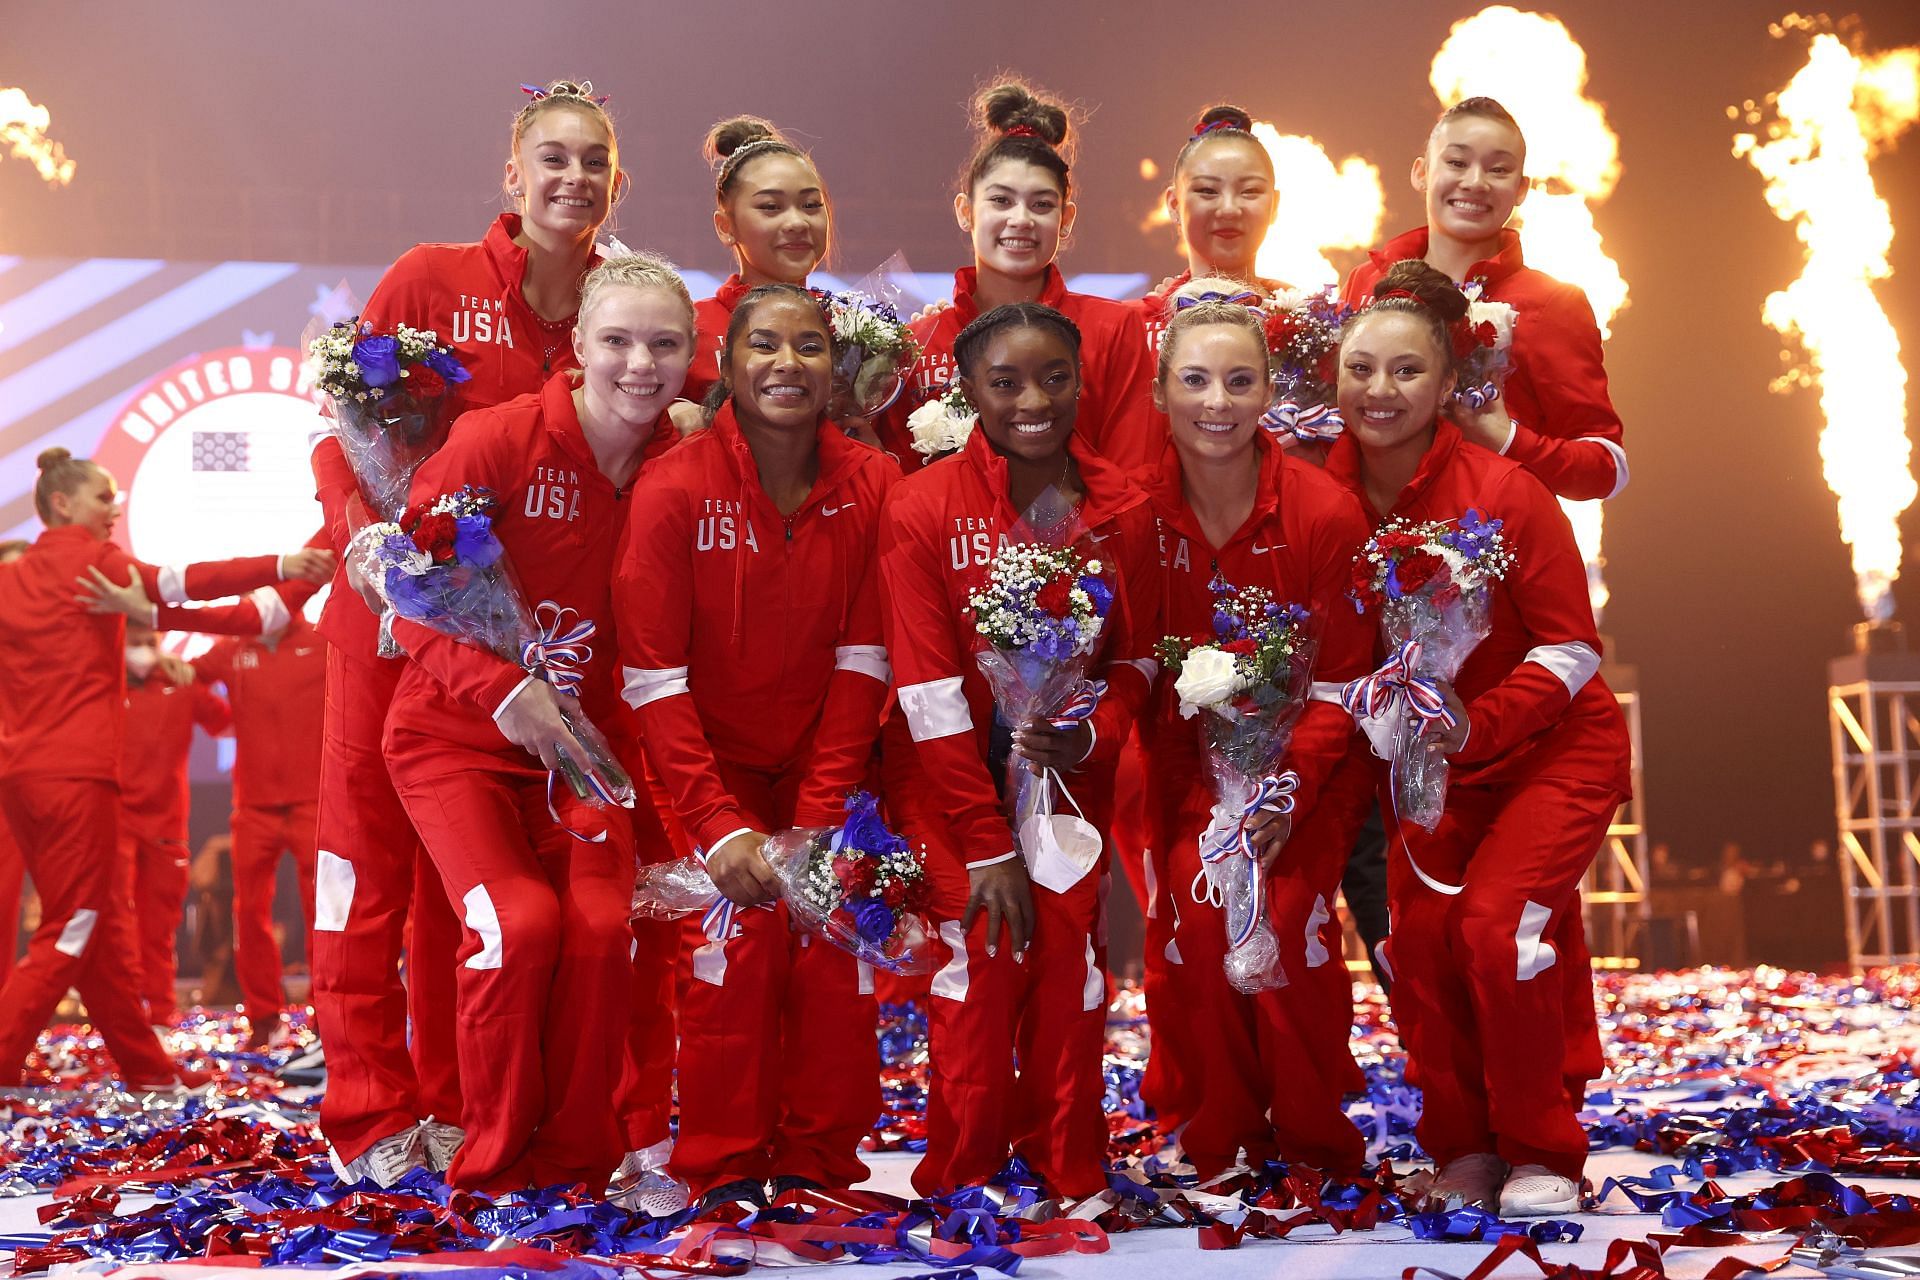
point(642, 1184)
point(384, 1163)
point(440, 1142)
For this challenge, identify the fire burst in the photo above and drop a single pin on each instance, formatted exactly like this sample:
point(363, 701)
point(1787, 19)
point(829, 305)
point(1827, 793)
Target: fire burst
point(1837, 112)
point(1538, 71)
point(23, 129)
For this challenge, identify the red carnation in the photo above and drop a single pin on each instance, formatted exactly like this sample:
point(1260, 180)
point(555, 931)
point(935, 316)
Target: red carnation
point(919, 895)
point(1242, 645)
point(1362, 577)
point(1416, 571)
point(1056, 598)
point(1282, 327)
point(860, 882)
point(424, 384)
point(414, 515)
point(434, 535)
point(894, 893)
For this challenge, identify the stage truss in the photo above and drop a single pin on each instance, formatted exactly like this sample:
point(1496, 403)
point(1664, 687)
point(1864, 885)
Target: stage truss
point(1615, 894)
point(1873, 714)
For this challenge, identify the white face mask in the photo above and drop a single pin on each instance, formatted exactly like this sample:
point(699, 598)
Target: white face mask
point(1059, 848)
point(141, 660)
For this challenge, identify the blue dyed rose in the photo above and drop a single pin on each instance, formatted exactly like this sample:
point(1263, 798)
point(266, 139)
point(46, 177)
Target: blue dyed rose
point(1099, 592)
point(873, 920)
point(864, 830)
point(379, 359)
point(444, 364)
point(473, 541)
point(408, 595)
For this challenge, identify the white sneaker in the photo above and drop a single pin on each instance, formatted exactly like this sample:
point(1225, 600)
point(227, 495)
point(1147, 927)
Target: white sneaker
point(642, 1184)
point(1467, 1181)
point(384, 1163)
point(439, 1142)
point(1535, 1191)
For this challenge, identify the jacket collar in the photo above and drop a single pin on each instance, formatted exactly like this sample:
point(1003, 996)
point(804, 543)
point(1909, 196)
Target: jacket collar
point(1413, 244)
point(966, 282)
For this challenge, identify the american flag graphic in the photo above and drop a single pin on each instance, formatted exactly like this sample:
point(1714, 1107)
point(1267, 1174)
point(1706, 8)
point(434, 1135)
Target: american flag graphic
point(78, 337)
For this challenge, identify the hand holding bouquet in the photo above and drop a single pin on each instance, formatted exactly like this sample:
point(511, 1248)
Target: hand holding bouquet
point(1431, 582)
point(391, 403)
point(1041, 615)
point(942, 425)
point(1483, 344)
point(441, 565)
point(1247, 681)
point(872, 352)
point(858, 885)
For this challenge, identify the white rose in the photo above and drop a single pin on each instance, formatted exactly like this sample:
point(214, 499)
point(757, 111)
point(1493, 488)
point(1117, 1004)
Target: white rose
point(1499, 315)
point(1207, 680)
point(935, 431)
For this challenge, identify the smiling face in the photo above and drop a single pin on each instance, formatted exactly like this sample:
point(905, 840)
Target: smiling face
point(634, 347)
point(1025, 384)
point(1393, 379)
point(776, 219)
point(1223, 200)
point(1016, 215)
point(780, 369)
point(1473, 177)
point(93, 504)
point(1214, 390)
point(566, 168)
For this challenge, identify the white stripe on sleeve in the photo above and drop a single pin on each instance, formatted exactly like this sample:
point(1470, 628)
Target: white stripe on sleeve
point(650, 684)
point(1619, 462)
point(273, 610)
point(172, 583)
point(867, 659)
point(936, 709)
point(1573, 661)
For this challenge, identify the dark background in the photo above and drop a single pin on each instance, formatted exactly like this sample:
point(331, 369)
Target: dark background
point(344, 132)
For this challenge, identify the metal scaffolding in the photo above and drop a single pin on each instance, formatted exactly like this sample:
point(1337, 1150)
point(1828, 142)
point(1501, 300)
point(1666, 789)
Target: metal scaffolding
point(1615, 892)
point(1873, 713)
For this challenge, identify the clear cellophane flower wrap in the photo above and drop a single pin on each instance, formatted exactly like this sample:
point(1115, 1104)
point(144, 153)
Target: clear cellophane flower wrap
point(1432, 583)
point(1303, 334)
point(1041, 616)
point(858, 885)
point(1248, 683)
point(873, 350)
point(441, 566)
point(1483, 345)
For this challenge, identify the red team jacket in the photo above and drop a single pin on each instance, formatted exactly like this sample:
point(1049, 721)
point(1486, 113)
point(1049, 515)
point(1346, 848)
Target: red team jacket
point(1116, 402)
point(1565, 431)
point(561, 522)
point(1539, 667)
point(938, 539)
point(154, 787)
point(1152, 310)
point(1298, 543)
point(469, 295)
point(279, 692)
point(753, 638)
point(63, 671)
point(711, 316)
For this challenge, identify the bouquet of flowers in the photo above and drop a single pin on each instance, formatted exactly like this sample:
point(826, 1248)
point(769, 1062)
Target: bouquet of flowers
point(390, 403)
point(1247, 681)
point(1303, 333)
point(872, 352)
point(1431, 582)
point(1041, 615)
point(441, 565)
point(942, 425)
point(858, 885)
point(1483, 344)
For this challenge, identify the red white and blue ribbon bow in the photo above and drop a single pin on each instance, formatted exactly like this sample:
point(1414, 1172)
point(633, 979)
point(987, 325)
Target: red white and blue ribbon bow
point(1081, 704)
point(1228, 839)
point(559, 646)
point(1372, 696)
point(1308, 422)
point(1479, 395)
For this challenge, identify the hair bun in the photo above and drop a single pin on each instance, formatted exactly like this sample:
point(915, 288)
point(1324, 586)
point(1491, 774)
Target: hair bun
point(51, 458)
point(1432, 288)
point(1223, 116)
point(1011, 105)
point(728, 136)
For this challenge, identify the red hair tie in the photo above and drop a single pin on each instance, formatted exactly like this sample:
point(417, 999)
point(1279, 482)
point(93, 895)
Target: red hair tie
point(1021, 131)
point(1398, 293)
point(1202, 130)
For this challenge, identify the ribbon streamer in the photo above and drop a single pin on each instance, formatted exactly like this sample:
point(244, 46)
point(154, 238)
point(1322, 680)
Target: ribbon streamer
point(1082, 703)
point(1220, 841)
point(1372, 696)
point(1305, 422)
point(558, 647)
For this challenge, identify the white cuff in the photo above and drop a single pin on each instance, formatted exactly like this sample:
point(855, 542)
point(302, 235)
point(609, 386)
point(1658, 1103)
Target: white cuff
point(507, 701)
point(153, 616)
point(706, 855)
point(280, 567)
point(1513, 429)
point(1008, 856)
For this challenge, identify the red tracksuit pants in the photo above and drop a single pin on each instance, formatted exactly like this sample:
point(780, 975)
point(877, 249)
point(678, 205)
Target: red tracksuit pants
point(646, 1070)
point(159, 877)
point(1270, 1070)
point(1047, 1012)
point(1490, 983)
point(544, 971)
point(369, 874)
point(779, 1064)
point(261, 833)
point(67, 830)
point(13, 874)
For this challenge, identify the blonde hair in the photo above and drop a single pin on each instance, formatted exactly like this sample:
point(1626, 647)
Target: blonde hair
point(1209, 311)
point(60, 472)
point(635, 271)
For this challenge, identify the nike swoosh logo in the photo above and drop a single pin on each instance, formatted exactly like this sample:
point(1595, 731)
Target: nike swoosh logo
point(1098, 537)
point(1260, 550)
point(834, 511)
